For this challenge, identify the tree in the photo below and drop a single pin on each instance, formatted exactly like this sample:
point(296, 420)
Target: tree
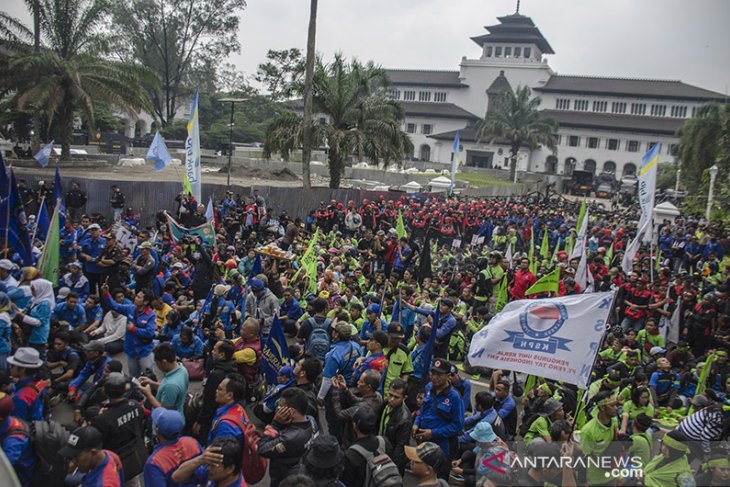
point(184, 41)
point(359, 119)
point(515, 121)
point(70, 71)
point(308, 83)
point(704, 140)
point(282, 73)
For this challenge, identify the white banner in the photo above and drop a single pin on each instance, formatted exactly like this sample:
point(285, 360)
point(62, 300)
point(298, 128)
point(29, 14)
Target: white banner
point(647, 187)
point(125, 237)
point(627, 263)
point(192, 152)
point(556, 338)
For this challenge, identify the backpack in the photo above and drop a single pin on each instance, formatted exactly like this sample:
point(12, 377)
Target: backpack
point(46, 439)
point(318, 343)
point(380, 470)
point(526, 423)
point(253, 466)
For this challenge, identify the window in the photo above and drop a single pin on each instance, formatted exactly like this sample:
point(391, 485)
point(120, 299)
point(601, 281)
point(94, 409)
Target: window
point(394, 94)
point(508, 51)
point(427, 128)
point(489, 51)
point(600, 106)
point(439, 96)
point(612, 144)
point(562, 104)
point(593, 142)
point(518, 51)
point(679, 111)
point(633, 145)
point(558, 139)
point(638, 108)
point(574, 141)
point(694, 112)
point(658, 110)
point(411, 128)
point(527, 51)
point(581, 105)
point(498, 51)
point(424, 96)
point(618, 107)
point(409, 95)
point(672, 149)
point(650, 146)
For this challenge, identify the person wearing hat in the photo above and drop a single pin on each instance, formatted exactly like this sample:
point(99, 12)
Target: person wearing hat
point(323, 461)
point(442, 412)
point(6, 267)
point(76, 281)
point(598, 434)
point(372, 323)
point(262, 303)
point(474, 465)
point(228, 205)
point(172, 449)
point(221, 308)
point(428, 463)
point(375, 359)
point(102, 467)
point(398, 359)
point(715, 472)
point(549, 412)
point(144, 266)
point(15, 442)
point(339, 361)
point(91, 247)
point(30, 388)
point(446, 325)
point(121, 425)
point(96, 361)
point(110, 264)
point(671, 467)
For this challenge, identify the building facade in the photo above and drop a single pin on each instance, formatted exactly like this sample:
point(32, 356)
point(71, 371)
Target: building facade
point(605, 124)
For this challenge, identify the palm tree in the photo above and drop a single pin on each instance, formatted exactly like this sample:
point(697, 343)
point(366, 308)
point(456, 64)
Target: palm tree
point(514, 120)
point(703, 141)
point(360, 119)
point(70, 71)
point(308, 81)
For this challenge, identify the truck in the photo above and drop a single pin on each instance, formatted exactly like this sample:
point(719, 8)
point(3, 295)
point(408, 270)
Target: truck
point(581, 183)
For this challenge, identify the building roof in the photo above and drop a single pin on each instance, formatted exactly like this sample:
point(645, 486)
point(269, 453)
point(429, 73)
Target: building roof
point(616, 123)
point(422, 77)
point(499, 85)
point(515, 28)
point(651, 88)
point(436, 110)
point(467, 134)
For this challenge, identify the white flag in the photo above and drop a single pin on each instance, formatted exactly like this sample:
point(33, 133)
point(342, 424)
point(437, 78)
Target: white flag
point(669, 327)
point(627, 263)
point(556, 338)
point(582, 273)
point(209, 214)
point(647, 187)
point(580, 238)
point(508, 254)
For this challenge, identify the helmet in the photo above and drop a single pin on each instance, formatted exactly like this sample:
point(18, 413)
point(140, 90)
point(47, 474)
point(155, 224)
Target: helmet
point(496, 254)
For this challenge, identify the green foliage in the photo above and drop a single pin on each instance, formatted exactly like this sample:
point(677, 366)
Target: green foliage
point(704, 140)
point(360, 120)
point(71, 71)
point(184, 41)
point(515, 121)
point(282, 73)
point(666, 176)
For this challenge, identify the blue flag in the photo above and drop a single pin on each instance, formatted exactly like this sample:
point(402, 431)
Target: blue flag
point(256, 268)
point(13, 223)
point(275, 353)
point(58, 195)
point(43, 222)
point(4, 179)
point(44, 155)
point(204, 310)
point(396, 311)
point(158, 153)
point(428, 351)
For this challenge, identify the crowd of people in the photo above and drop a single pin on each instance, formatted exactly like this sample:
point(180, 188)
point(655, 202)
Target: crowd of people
point(366, 396)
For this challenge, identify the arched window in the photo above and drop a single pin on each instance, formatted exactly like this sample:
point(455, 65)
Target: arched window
point(424, 153)
point(140, 128)
point(609, 166)
point(589, 165)
point(551, 165)
point(569, 166)
point(629, 169)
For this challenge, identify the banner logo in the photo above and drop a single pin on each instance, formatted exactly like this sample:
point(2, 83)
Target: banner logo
point(539, 322)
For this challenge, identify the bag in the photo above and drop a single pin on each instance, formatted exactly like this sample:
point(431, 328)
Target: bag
point(380, 470)
point(195, 368)
point(318, 343)
point(517, 389)
point(253, 466)
point(46, 438)
point(526, 423)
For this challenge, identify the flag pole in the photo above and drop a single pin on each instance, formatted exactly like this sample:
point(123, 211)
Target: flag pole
point(35, 230)
point(7, 214)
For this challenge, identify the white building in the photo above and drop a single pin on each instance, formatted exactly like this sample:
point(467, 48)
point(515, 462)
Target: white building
point(606, 124)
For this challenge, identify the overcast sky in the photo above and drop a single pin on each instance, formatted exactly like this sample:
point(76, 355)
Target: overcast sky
point(665, 39)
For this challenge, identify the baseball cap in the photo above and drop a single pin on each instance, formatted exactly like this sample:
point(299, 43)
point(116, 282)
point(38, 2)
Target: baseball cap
point(169, 421)
point(700, 401)
point(656, 350)
point(380, 337)
point(396, 330)
point(428, 453)
point(257, 284)
point(94, 226)
point(115, 385)
point(83, 438)
point(441, 366)
point(94, 346)
point(344, 330)
point(373, 308)
point(63, 293)
point(6, 264)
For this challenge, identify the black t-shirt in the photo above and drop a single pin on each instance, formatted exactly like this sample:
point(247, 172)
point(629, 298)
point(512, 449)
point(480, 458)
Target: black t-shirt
point(306, 329)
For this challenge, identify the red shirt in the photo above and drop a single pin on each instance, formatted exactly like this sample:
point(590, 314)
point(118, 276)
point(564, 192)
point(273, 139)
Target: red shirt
point(521, 283)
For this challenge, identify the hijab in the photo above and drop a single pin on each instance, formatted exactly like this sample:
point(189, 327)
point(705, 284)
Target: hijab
point(43, 292)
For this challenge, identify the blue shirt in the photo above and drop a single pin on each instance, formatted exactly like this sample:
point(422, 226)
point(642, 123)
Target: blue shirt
point(166, 458)
point(95, 369)
point(443, 414)
point(292, 310)
point(92, 248)
point(75, 316)
point(340, 360)
point(138, 340)
point(224, 428)
point(28, 399)
point(192, 349)
point(95, 313)
point(418, 358)
point(399, 264)
point(104, 474)
point(41, 312)
point(662, 382)
point(489, 416)
point(18, 451)
point(6, 329)
point(446, 322)
point(78, 285)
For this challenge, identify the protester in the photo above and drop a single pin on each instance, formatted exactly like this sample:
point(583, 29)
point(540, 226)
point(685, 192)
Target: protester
point(100, 467)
